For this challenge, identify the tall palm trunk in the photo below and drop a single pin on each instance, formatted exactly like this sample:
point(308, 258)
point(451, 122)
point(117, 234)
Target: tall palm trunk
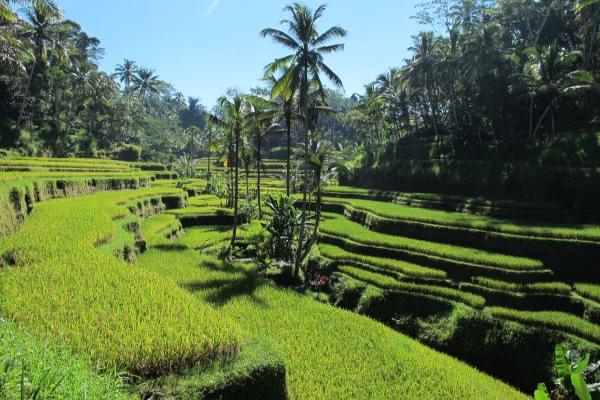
point(235, 189)
point(531, 104)
point(299, 250)
point(208, 164)
point(433, 105)
point(318, 203)
point(25, 95)
point(231, 174)
point(258, 164)
point(247, 171)
point(288, 125)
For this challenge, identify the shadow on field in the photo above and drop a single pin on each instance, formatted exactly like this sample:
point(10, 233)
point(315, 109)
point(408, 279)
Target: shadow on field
point(171, 247)
point(219, 292)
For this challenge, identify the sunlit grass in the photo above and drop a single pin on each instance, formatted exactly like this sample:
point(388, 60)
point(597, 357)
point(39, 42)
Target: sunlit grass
point(551, 319)
point(588, 290)
point(470, 221)
point(329, 353)
point(339, 226)
point(398, 266)
point(66, 290)
point(389, 283)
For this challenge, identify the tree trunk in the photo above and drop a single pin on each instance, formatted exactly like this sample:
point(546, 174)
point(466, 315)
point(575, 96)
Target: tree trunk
point(318, 203)
point(433, 105)
point(231, 175)
point(531, 104)
point(258, 162)
point(208, 164)
point(25, 95)
point(539, 123)
point(552, 122)
point(247, 180)
point(235, 190)
point(288, 124)
point(299, 250)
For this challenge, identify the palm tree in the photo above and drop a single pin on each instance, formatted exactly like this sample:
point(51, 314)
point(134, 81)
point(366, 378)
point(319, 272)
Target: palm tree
point(303, 69)
point(210, 127)
point(261, 122)
point(146, 82)
point(192, 114)
point(234, 108)
point(11, 47)
point(126, 73)
point(43, 32)
point(286, 102)
point(420, 71)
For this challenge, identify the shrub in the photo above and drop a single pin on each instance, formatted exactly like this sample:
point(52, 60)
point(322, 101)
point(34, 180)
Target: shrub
point(281, 228)
point(29, 366)
point(129, 152)
point(248, 211)
point(257, 372)
point(346, 292)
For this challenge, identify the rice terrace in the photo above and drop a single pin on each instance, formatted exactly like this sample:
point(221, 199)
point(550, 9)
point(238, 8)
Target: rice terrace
point(358, 200)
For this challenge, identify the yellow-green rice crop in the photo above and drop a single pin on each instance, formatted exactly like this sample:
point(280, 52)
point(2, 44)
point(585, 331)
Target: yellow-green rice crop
point(329, 353)
point(65, 289)
point(552, 319)
point(588, 290)
point(389, 283)
point(536, 287)
point(470, 221)
point(339, 226)
point(405, 268)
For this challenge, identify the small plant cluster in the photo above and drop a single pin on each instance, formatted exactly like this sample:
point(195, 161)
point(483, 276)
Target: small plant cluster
point(573, 370)
point(281, 229)
point(218, 185)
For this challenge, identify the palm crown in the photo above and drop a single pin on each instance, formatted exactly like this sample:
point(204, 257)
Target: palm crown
point(306, 63)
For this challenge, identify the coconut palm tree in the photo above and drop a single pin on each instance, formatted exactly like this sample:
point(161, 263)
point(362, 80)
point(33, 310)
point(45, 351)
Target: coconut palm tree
point(261, 122)
point(210, 132)
point(286, 101)
point(146, 82)
point(43, 32)
point(420, 72)
point(303, 69)
point(234, 109)
point(126, 73)
point(11, 47)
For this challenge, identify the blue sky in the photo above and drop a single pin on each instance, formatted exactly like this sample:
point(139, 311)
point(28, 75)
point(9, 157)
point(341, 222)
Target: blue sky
point(204, 47)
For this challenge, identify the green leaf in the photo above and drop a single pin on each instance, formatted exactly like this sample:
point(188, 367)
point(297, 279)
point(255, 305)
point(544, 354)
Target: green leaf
point(541, 393)
point(582, 365)
point(583, 4)
point(562, 364)
point(581, 389)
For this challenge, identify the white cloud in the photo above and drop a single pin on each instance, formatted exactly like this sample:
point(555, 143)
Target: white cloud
point(211, 8)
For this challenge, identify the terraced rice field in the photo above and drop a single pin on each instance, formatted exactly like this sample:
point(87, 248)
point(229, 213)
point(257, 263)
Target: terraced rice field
point(111, 267)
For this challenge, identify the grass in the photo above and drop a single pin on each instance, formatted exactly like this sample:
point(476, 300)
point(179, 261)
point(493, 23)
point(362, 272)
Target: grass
point(470, 221)
point(402, 267)
point(59, 164)
point(66, 290)
point(337, 225)
point(553, 320)
point(588, 290)
point(558, 288)
point(50, 371)
point(328, 352)
point(160, 226)
point(389, 283)
point(435, 197)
